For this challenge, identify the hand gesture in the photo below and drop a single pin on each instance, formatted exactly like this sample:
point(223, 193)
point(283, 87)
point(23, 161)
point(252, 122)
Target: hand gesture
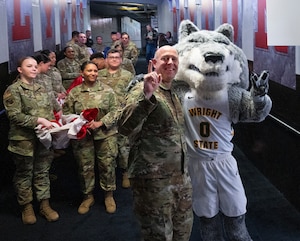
point(45, 123)
point(260, 84)
point(151, 81)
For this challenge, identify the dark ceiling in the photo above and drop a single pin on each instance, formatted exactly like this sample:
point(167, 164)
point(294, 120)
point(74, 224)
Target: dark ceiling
point(140, 12)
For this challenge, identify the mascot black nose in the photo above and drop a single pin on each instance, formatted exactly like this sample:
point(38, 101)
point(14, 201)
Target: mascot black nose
point(213, 57)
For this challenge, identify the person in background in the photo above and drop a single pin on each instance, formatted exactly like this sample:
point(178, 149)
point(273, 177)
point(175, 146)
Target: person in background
point(151, 42)
point(98, 59)
point(115, 39)
point(54, 74)
point(169, 38)
point(162, 40)
point(68, 67)
point(130, 51)
point(44, 79)
point(119, 36)
point(126, 63)
point(74, 44)
point(107, 48)
point(74, 39)
point(118, 79)
point(57, 88)
point(100, 144)
point(154, 122)
point(27, 105)
point(89, 40)
point(99, 46)
point(84, 52)
point(43, 66)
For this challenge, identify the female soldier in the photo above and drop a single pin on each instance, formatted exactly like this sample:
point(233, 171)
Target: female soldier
point(43, 66)
point(27, 105)
point(55, 75)
point(101, 143)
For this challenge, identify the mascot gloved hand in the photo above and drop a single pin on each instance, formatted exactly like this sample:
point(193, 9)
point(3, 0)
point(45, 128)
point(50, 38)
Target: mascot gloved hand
point(259, 84)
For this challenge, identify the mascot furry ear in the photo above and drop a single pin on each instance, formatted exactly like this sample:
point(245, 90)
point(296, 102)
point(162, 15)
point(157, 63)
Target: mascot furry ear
point(227, 30)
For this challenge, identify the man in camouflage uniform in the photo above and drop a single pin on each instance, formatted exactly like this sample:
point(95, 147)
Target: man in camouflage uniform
point(153, 119)
point(99, 46)
point(115, 39)
point(83, 53)
point(74, 44)
point(28, 104)
point(118, 79)
point(126, 63)
point(100, 144)
point(68, 67)
point(74, 39)
point(130, 51)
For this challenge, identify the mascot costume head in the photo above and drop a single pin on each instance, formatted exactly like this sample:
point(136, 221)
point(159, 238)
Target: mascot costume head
point(210, 63)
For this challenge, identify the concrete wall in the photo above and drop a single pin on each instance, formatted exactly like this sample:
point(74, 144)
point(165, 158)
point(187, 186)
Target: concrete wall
point(103, 27)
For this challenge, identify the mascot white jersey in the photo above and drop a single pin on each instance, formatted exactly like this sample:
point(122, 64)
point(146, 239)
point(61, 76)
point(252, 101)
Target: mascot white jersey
point(209, 129)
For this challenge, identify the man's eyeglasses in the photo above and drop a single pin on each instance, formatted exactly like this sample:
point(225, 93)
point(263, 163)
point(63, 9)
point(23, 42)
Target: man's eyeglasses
point(113, 57)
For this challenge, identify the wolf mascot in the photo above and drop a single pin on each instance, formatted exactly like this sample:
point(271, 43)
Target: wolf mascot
point(216, 71)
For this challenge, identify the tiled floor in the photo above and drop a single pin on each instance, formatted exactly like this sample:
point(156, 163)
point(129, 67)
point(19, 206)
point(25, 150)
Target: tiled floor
point(270, 216)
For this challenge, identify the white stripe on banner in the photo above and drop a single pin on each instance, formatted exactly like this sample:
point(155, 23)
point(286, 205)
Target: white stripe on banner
point(4, 56)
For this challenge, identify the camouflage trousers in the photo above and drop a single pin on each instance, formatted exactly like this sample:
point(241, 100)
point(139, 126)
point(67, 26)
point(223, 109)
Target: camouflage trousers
point(104, 151)
point(163, 208)
point(32, 172)
point(123, 151)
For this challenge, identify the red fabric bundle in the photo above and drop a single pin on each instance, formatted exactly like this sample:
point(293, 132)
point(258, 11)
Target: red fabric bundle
point(82, 132)
point(90, 114)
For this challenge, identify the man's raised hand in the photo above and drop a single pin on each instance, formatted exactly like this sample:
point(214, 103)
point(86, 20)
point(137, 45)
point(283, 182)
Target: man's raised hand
point(151, 81)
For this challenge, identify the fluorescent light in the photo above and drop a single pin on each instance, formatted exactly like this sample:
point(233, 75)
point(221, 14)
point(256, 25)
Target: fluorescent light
point(126, 8)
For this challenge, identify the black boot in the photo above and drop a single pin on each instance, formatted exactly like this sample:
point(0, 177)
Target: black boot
point(235, 228)
point(211, 229)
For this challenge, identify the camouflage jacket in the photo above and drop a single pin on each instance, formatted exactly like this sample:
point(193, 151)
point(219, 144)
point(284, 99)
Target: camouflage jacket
point(156, 131)
point(46, 81)
point(24, 104)
point(83, 54)
point(113, 44)
point(131, 52)
point(127, 65)
point(117, 81)
point(100, 96)
point(56, 79)
point(68, 68)
point(98, 47)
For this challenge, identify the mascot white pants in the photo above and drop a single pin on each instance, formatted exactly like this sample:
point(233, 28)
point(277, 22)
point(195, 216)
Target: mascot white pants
point(219, 198)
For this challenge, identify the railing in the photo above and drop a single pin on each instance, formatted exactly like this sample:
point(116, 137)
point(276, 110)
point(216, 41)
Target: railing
point(285, 124)
point(2, 111)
